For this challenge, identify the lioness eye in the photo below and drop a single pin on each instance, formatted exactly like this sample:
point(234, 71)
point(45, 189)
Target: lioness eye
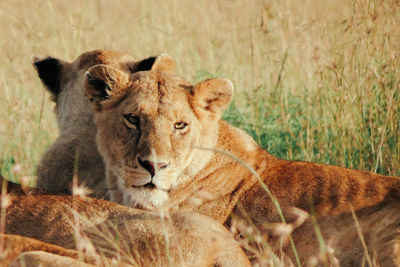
point(132, 121)
point(180, 125)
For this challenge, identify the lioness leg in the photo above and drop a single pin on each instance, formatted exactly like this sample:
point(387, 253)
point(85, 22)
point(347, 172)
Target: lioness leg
point(14, 245)
point(45, 259)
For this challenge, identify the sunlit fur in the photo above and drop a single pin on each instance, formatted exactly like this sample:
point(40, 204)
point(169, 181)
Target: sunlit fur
point(137, 197)
point(104, 233)
point(208, 167)
point(157, 141)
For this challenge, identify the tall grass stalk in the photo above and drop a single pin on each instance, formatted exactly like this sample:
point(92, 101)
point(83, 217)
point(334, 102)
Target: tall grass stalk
point(360, 235)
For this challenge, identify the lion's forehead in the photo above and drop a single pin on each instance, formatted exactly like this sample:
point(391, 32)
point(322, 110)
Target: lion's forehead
point(156, 107)
point(156, 82)
point(107, 57)
point(155, 93)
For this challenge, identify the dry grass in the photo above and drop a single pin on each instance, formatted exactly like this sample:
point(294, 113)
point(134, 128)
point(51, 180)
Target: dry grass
point(315, 80)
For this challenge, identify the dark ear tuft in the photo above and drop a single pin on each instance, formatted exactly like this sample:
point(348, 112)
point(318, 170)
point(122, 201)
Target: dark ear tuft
point(163, 63)
point(146, 64)
point(49, 70)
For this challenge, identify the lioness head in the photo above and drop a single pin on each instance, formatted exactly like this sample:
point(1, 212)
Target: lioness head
point(76, 143)
point(149, 127)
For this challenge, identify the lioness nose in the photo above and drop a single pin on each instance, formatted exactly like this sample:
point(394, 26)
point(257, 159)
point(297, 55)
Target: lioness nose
point(152, 167)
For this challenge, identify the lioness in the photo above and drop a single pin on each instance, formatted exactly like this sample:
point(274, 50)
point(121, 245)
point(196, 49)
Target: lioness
point(164, 143)
point(102, 230)
point(76, 142)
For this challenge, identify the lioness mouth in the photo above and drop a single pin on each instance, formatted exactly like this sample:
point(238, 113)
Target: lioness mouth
point(150, 186)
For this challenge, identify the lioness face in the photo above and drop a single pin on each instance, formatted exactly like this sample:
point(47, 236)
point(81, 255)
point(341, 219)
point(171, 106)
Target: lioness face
point(148, 127)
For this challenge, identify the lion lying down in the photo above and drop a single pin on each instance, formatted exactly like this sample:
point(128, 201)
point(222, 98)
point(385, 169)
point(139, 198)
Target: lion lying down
point(169, 148)
point(66, 230)
point(164, 144)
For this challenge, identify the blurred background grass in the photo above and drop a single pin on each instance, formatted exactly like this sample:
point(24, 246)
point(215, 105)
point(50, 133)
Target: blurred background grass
point(315, 80)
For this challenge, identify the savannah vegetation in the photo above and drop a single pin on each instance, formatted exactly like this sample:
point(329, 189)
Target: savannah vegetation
point(315, 80)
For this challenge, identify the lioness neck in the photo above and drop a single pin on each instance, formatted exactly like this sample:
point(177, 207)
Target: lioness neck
point(217, 187)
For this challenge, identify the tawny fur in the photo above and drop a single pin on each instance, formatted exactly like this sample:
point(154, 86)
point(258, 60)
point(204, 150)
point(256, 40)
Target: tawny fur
point(141, 120)
point(129, 235)
point(76, 143)
point(46, 259)
point(14, 245)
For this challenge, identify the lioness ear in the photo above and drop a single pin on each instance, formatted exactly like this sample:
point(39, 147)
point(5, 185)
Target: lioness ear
point(103, 81)
point(212, 96)
point(163, 63)
point(49, 70)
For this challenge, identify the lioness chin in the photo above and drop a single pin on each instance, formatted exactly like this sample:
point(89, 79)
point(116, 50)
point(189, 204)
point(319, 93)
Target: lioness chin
point(161, 139)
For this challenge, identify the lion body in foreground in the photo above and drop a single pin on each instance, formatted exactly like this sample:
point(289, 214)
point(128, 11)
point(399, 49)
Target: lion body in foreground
point(68, 228)
point(164, 144)
point(76, 142)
